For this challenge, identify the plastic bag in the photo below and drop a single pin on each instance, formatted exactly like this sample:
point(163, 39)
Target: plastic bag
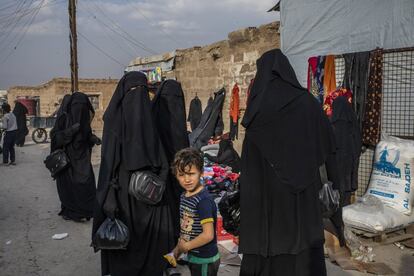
point(329, 199)
point(359, 251)
point(229, 207)
point(112, 234)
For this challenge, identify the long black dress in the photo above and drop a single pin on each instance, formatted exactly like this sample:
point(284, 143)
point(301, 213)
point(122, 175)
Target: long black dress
point(194, 113)
point(130, 143)
point(20, 112)
point(287, 139)
point(348, 146)
point(76, 185)
point(211, 122)
point(169, 114)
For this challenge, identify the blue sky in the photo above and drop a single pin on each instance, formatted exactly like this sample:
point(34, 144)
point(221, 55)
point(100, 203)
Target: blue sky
point(34, 46)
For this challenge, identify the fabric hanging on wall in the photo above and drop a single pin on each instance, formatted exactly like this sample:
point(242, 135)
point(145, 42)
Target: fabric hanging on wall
point(313, 62)
point(329, 80)
point(319, 76)
point(371, 130)
point(234, 112)
point(356, 79)
point(194, 114)
point(327, 105)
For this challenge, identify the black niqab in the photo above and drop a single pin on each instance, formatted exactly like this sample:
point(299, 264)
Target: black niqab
point(287, 138)
point(130, 143)
point(20, 112)
point(169, 114)
point(76, 185)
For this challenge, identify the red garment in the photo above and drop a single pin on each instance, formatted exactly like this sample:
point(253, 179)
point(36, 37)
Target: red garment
point(327, 105)
point(235, 104)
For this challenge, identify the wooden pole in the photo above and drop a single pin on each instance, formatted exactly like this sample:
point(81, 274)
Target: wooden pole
point(73, 46)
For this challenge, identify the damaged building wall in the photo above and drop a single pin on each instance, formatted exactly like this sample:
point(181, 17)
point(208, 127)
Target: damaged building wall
point(51, 93)
point(204, 70)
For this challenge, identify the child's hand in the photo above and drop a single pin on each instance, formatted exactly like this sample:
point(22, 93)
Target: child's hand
point(176, 252)
point(182, 246)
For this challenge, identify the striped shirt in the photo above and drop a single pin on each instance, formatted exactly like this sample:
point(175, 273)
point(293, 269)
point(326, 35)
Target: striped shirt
point(194, 212)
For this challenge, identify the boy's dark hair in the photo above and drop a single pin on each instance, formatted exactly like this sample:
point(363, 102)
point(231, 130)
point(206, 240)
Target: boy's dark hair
point(186, 158)
point(6, 108)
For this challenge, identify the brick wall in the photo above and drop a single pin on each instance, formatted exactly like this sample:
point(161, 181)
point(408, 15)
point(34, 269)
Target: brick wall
point(204, 70)
point(53, 91)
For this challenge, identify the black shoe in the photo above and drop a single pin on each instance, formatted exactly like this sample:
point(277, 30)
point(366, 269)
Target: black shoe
point(12, 163)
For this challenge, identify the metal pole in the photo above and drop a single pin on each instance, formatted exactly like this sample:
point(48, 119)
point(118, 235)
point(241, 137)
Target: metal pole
point(73, 46)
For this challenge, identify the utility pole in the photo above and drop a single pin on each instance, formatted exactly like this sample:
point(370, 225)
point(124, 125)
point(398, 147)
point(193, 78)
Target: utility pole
point(73, 46)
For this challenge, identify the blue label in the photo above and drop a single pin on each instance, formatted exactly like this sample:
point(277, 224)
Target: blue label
point(381, 193)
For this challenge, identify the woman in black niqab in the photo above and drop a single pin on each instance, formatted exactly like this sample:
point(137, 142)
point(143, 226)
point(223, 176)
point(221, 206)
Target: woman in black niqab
point(72, 133)
point(169, 114)
point(287, 138)
point(20, 112)
point(131, 142)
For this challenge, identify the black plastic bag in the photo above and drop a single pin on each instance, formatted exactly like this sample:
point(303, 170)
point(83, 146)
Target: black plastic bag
point(112, 234)
point(229, 207)
point(329, 198)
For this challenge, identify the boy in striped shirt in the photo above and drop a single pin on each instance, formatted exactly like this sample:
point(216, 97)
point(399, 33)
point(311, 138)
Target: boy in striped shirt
point(198, 216)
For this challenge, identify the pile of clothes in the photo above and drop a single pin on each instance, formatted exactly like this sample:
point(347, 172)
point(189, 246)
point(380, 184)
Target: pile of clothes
point(221, 166)
point(219, 178)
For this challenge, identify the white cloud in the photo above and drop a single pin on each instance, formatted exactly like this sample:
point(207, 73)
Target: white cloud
point(46, 27)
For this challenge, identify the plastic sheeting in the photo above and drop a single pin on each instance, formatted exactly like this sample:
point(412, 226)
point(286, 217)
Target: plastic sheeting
point(321, 27)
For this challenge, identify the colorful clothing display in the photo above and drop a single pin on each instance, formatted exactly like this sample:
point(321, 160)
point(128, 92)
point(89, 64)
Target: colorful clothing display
point(327, 105)
point(329, 80)
point(234, 112)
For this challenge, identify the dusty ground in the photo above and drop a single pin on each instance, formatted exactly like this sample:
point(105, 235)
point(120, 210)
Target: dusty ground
point(28, 219)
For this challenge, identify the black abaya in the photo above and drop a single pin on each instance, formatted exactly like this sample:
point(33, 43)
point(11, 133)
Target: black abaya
point(211, 122)
point(348, 146)
point(20, 112)
point(169, 114)
point(194, 113)
point(287, 138)
point(130, 143)
point(75, 185)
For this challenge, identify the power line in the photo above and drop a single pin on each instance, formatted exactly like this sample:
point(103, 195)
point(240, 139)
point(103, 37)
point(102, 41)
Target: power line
point(24, 33)
point(127, 37)
point(160, 29)
point(99, 49)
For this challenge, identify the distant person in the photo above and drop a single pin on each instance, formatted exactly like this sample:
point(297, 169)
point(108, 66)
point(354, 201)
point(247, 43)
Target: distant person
point(198, 214)
point(20, 112)
point(10, 126)
point(72, 133)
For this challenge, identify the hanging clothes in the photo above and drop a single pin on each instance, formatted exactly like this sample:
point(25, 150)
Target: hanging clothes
point(131, 142)
point(76, 184)
point(371, 130)
point(249, 89)
point(327, 105)
point(194, 113)
point(319, 77)
point(329, 80)
point(348, 146)
point(312, 64)
point(210, 101)
point(234, 112)
point(169, 112)
point(287, 138)
point(211, 122)
point(356, 79)
point(20, 112)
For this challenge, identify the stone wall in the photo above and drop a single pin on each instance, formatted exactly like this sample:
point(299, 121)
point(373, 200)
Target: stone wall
point(204, 70)
point(53, 91)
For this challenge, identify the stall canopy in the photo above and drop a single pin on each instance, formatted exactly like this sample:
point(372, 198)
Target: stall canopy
point(321, 27)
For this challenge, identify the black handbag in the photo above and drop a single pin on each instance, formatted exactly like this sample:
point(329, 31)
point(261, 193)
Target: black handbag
point(56, 162)
point(328, 196)
point(146, 187)
point(229, 207)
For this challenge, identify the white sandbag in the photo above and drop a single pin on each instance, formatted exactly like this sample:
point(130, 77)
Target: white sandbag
point(369, 213)
point(392, 173)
